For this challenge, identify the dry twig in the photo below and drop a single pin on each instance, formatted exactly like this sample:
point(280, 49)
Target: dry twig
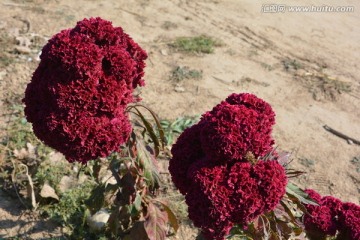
point(341, 135)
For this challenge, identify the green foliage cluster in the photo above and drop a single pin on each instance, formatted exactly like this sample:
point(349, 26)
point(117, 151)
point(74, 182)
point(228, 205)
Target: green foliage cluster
point(71, 211)
point(172, 129)
point(181, 73)
point(198, 44)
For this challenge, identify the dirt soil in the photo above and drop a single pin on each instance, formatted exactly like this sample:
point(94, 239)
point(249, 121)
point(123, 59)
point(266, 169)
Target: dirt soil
point(302, 63)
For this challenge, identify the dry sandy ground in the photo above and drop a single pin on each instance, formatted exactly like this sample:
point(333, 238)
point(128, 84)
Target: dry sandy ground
point(282, 57)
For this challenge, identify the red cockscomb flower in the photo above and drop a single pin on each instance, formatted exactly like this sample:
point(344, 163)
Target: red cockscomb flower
point(186, 151)
point(240, 124)
point(210, 165)
point(208, 201)
point(232, 194)
point(322, 220)
point(349, 221)
point(77, 97)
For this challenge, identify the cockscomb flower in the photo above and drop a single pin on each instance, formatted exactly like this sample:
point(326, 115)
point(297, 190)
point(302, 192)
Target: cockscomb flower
point(349, 221)
point(209, 203)
point(232, 194)
point(240, 124)
point(77, 97)
point(211, 165)
point(322, 220)
point(186, 152)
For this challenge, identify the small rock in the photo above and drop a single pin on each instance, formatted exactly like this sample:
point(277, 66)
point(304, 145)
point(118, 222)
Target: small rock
point(48, 192)
point(300, 72)
point(2, 24)
point(107, 178)
point(22, 49)
point(2, 74)
point(23, 41)
point(55, 157)
point(66, 183)
point(164, 52)
point(38, 57)
point(14, 31)
point(179, 89)
point(97, 221)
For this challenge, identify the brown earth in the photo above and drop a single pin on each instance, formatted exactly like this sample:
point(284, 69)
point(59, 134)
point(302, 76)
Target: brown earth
point(299, 62)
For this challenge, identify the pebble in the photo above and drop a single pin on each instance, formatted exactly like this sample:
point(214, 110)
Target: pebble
point(2, 74)
point(164, 52)
point(179, 89)
point(22, 49)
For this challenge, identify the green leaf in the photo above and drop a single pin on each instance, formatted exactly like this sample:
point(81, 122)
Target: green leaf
point(298, 193)
point(150, 130)
point(96, 200)
point(137, 202)
point(156, 119)
point(155, 223)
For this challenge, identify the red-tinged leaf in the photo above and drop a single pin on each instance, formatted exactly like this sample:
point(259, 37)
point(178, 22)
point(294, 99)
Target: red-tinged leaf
point(148, 163)
point(171, 216)
point(265, 227)
point(270, 156)
point(284, 158)
point(280, 213)
point(288, 211)
point(155, 223)
point(283, 229)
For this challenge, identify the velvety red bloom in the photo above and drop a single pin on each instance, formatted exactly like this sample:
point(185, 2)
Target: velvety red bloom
point(349, 221)
point(319, 222)
point(209, 166)
point(205, 216)
point(208, 202)
point(186, 151)
point(271, 180)
point(77, 97)
point(335, 205)
point(240, 124)
point(322, 220)
point(313, 194)
point(221, 196)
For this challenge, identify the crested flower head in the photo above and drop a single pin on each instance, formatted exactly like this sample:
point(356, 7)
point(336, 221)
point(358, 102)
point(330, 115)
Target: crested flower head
point(216, 165)
point(349, 221)
point(322, 220)
point(77, 97)
point(240, 124)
